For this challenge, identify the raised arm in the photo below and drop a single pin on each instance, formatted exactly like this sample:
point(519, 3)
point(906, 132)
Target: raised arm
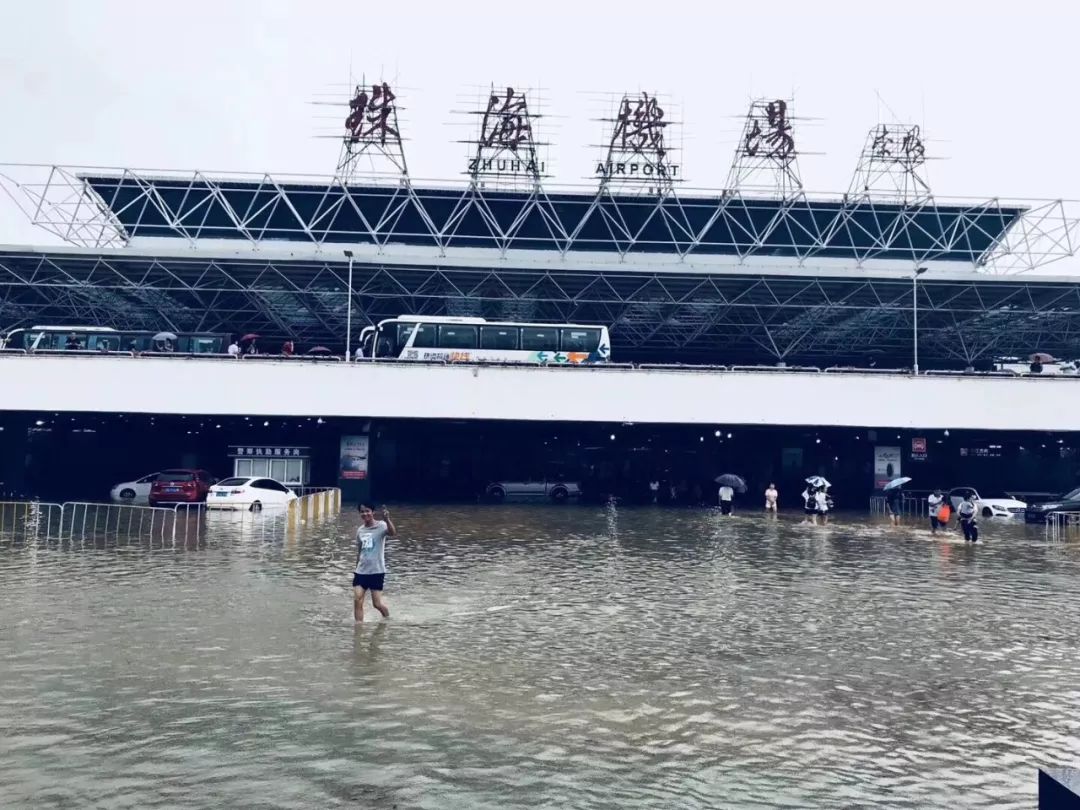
point(390, 530)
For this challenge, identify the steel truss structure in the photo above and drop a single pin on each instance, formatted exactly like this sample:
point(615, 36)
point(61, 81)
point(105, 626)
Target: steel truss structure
point(109, 208)
point(729, 317)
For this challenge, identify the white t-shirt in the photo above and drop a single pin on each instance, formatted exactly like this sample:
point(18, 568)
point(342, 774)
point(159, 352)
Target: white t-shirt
point(822, 501)
point(771, 495)
point(934, 501)
point(234, 349)
point(726, 493)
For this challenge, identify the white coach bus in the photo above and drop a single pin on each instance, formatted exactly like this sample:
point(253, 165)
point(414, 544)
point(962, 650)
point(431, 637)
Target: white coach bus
point(476, 340)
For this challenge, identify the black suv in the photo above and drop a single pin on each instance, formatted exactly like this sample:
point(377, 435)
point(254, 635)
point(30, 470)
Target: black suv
point(1039, 512)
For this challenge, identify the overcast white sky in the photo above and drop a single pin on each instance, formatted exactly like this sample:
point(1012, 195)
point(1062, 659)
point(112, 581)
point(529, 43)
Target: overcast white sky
point(227, 85)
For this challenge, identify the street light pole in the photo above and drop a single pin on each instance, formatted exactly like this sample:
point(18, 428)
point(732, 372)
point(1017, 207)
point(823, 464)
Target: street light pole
point(348, 312)
point(915, 314)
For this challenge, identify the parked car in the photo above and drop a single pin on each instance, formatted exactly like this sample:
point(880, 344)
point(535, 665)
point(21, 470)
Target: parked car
point(249, 493)
point(554, 490)
point(134, 492)
point(1039, 512)
point(181, 486)
point(997, 506)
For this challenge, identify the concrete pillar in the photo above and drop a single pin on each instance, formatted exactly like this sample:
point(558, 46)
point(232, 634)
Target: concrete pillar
point(14, 446)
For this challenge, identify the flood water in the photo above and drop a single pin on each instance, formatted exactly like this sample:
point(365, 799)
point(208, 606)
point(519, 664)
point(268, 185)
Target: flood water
point(542, 656)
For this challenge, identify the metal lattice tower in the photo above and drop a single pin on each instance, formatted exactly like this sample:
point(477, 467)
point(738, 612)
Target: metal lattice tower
point(891, 165)
point(638, 159)
point(371, 146)
point(766, 159)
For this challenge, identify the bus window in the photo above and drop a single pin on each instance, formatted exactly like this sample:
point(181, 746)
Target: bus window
point(425, 335)
point(104, 343)
point(385, 345)
point(499, 337)
point(367, 338)
point(456, 336)
point(539, 339)
point(579, 340)
point(200, 345)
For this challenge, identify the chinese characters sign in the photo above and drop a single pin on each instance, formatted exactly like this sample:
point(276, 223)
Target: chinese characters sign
point(506, 121)
point(372, 116)
point(770, 136)
point(899, 145)
point(506, 127)
point(637, 149)
point(250, 451)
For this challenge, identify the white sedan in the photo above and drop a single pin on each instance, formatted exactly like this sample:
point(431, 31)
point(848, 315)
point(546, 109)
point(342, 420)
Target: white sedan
point(134, 492)
point(555, 490)
point(249, 493)
point(988, 507)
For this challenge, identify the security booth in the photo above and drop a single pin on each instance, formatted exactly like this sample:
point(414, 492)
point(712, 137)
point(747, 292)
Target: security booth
point(287, 465)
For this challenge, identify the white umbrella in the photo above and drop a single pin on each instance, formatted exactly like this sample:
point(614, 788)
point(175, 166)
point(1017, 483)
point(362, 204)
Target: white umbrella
point(818, 481)
point(897, 482)
point(164, 336)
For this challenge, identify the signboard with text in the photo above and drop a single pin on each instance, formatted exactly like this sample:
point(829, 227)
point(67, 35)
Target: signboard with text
point(886, 465)
point(354, 457)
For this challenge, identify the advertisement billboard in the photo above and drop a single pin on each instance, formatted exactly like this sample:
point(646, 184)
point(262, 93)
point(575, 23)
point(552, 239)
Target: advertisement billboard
point(886, 465)
point(354, 457)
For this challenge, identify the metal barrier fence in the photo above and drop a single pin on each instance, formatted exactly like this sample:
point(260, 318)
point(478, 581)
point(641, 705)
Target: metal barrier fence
point(322, 503)
point(83, 520)
point(910, 506)
point(1063, 525)
point(30, 520)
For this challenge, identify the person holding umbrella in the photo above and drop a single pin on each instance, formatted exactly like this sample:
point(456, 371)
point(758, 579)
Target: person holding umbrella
point(894, 498)
point(728, 485)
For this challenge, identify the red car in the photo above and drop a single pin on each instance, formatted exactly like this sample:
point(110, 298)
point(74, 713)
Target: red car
point(181, 486)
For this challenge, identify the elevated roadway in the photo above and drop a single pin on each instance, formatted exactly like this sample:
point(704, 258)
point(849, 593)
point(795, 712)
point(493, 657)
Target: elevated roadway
point(612, 394)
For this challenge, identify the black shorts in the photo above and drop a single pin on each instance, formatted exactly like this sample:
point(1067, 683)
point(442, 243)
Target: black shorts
point(369, 582)
point(810, 510)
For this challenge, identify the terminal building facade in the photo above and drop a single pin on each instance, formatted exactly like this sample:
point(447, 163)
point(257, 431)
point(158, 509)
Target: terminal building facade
point(760, 278)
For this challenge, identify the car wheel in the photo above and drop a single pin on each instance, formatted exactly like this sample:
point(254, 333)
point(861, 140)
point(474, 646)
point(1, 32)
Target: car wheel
point(987, 512)
point(256, 507)
point(497, 493)
point(127, 494)
point(559, 494)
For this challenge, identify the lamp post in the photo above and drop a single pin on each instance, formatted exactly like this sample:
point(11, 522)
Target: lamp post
point(348, 311)
point(914, 313)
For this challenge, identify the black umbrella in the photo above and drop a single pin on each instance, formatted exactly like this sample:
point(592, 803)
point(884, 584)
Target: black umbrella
point(730, 480)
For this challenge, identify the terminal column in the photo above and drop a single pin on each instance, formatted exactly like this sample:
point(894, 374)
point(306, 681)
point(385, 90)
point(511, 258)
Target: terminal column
point(14, 447)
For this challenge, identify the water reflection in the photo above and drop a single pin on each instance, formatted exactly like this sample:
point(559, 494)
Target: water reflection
point(602, 657)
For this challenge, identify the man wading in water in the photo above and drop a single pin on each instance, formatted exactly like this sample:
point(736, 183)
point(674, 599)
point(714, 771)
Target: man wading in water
point(371, 561)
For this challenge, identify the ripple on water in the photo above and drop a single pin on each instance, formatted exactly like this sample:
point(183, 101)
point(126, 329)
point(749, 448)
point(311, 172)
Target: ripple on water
point(576, 656)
